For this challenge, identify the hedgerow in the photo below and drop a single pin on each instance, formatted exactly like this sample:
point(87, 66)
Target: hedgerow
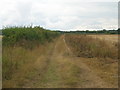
point(27, 36)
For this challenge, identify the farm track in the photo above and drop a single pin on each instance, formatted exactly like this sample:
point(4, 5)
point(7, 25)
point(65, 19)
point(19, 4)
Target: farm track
point(63, 70)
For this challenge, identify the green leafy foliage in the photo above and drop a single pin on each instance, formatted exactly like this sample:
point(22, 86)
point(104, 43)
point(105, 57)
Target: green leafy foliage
point(27, 36)
point(22, 45)
point(95, 32)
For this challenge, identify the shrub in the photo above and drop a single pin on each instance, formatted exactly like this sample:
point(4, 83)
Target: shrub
point(27, 36)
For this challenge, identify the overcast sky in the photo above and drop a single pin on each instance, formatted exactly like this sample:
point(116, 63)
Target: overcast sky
point(60, 14)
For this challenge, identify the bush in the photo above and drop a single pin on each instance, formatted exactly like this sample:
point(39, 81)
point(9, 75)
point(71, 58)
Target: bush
point(27, 36)
point(20, 47)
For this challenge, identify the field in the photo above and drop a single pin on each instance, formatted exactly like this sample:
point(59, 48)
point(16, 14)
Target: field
point(100, 53)
point(112, 39)
point(39, 58)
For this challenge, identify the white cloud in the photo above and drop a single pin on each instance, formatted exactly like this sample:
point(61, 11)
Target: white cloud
point(60, 14)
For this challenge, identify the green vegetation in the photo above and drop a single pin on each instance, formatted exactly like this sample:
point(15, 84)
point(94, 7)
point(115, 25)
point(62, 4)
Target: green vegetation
point(36, 57)
point(27, 36)
point(95, 32)
point(21, 46)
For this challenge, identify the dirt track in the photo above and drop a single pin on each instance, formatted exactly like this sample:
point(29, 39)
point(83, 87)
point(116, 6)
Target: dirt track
point(61, 69)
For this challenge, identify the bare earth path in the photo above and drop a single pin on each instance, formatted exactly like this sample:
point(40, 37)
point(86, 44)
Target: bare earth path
point(61, 69)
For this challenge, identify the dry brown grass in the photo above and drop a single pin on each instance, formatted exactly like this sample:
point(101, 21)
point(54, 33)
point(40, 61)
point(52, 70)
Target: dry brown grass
point(53, 66)
point(108, 38)
point(86, 46)
point(101, 55)
point(20, 64)
point(106, 69)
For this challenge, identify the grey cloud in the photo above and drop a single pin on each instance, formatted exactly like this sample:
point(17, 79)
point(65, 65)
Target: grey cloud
point(60, 14)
